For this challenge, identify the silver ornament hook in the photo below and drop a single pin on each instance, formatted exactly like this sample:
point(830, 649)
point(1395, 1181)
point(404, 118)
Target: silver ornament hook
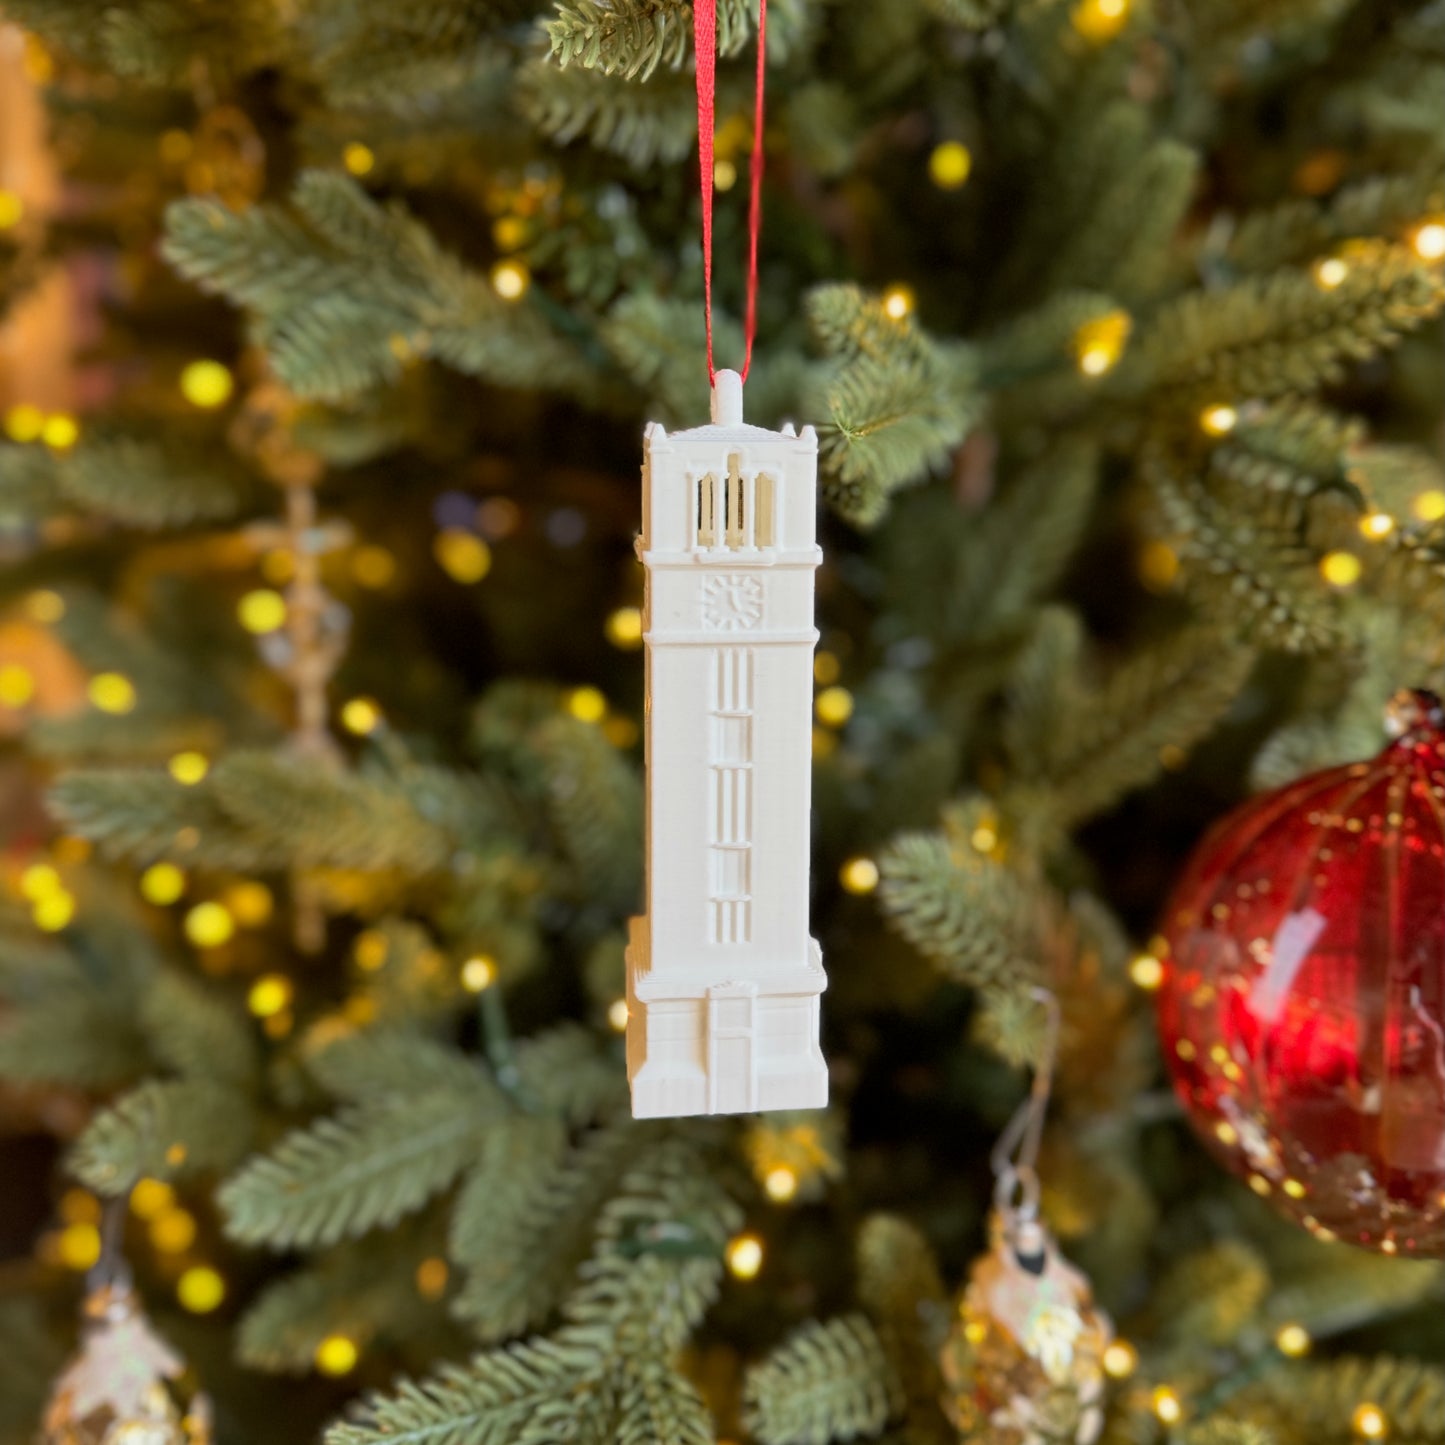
point(1015, 1157)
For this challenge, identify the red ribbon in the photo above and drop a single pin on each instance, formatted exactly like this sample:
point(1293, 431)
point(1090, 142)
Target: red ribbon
point(704, 28)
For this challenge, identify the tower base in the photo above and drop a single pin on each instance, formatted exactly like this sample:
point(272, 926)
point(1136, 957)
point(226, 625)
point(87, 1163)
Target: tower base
point(701, 1044)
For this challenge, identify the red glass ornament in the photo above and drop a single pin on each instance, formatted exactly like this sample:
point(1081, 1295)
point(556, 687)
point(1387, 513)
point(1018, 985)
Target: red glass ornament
point(1303, 1001)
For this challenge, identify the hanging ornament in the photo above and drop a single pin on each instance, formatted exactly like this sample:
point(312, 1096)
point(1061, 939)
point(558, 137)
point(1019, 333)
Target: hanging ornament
point(126, 1386)
point(228, 157)
point(1024, 1360)
point(723, 978)
point(1303, 1002)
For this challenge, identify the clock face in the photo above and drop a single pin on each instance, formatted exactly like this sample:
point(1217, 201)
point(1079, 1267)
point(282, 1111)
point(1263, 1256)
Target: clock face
point(732, 602)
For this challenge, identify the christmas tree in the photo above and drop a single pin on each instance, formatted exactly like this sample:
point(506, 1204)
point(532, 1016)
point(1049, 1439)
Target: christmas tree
point(333, 326)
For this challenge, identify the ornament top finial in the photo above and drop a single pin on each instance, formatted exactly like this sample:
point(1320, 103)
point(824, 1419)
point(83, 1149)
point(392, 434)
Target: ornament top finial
point(727, 399)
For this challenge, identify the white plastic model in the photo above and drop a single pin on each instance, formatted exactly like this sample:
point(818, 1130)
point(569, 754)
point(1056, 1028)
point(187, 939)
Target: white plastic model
point(723, 978)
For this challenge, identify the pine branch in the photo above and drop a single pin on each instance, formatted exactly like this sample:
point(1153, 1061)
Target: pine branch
point(165, 1129)
point(633, 37)
point(197, 1034)
point(363, 1168)
point(570, 1075)
point(371, 1066)
point(82, 1040)
point(1210, 1296)
point(1316, 1401)
point(827, 1381)
point(151, 483)
point(659, 1403)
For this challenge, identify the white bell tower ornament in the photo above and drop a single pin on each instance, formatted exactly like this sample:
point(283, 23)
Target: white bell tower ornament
point(723, 978)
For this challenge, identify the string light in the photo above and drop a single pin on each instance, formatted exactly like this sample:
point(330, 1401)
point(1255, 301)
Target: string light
point(1428, 241)
point(151, 1198)
point(1146, 971)
point(361, 716)
point(1369, 1422)
point(188, 768)
point(337, 1355)
point(53, 912)
point(262, 611)
point(44, 606)
point(39, 881)
point(1098, 344)
point(200, 1289)
point(250, 902)
point(1167, 1405)
point(898, 302)
point(617, 1015)
point(463, 556)
point(431, 1278)
point(1218, 421)
point(621, 732)
point(509, 232)
point(1331, 272)
point(1293, 1341)
point(1121, 1359)
point(780, 1184)
point(510, 280)
point(17, 686)
point(478, 973)
point(984, 838)
point(949, 165)
point(370, 950)
point(358, 159)
point(270, 995)
point(1294, 1188)
point(175, 146)
point(1429, 506)
point(162, 883)
point(1100, 20)
point(1376, 525)
point(79, 1206)
point(724, 174)
point(173, 1231)
point(78, 1247)
point(207, 384)
point(209, 925)
point(60, 432)
point(826, 669)
point(112, 692)
point(744, 1256)
point(859, 875)
point(373, 566)
point(834, 706)
point(1340, 569)
point(23, 422)
point(586, 704)
point(824, 743)
point(12, 208)
point(624, 628)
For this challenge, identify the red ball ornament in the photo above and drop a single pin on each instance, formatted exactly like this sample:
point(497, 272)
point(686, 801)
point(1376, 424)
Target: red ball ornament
point(1303, 1001)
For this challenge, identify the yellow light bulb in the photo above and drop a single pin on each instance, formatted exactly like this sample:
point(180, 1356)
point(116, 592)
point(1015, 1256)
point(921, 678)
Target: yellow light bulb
point(1429, 506)
point(44, 606)
point(984, 838)
point(949, 165)
point(360, 715)
point(463, 556)
point(1121, 1359)
point(200, 1290)
point(1369, 1422)
point(478, 973)
point(1294, 1188)
point(17, 686)
point(617, 1015)
point(12, 208)
point(1167, 1405)
point(162, 883)
point(79, 1247)
point(510, 280)
point(175, 146)
point(826, 669)
point(207, 384)
point(112, 692)
point(370, 950)
point(780, 1184)
point(24, 423)
point(724, 175)
point(60, 432)
point(1429, 241)
point(898, 302)
point(1218, 421)
point(509, 232)
point(1377, 525)
point(209, 925)
point(358, 159)
point(1293, 1340)
point(1331, 272)
point(39, 881)
point(621, 732)
point(586, 704)
point(373, 566)
point(270, 995)
point(834, 706)
point(189, 768)
point(744, 1256)
point(624, 628)
point(824, 743)
point(1098, 344)
point(1340, 569)
point(262, 611)
point(431, 1278)
point(79, 1206)
point(1099, 20)
point(337, 1355)
point(859, 876)
point(151, 1198)
point(53, 912)
point(250, 902)
point(173, 1231)
point(1146, 971)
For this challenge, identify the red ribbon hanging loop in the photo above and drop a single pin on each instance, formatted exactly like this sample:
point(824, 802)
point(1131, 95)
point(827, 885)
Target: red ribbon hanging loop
point(704, 23)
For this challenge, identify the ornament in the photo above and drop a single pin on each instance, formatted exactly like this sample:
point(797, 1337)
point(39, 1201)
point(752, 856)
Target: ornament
point(126, 1386)
point(1303, 1001)
point(1024, 1360)
point(723, 979)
